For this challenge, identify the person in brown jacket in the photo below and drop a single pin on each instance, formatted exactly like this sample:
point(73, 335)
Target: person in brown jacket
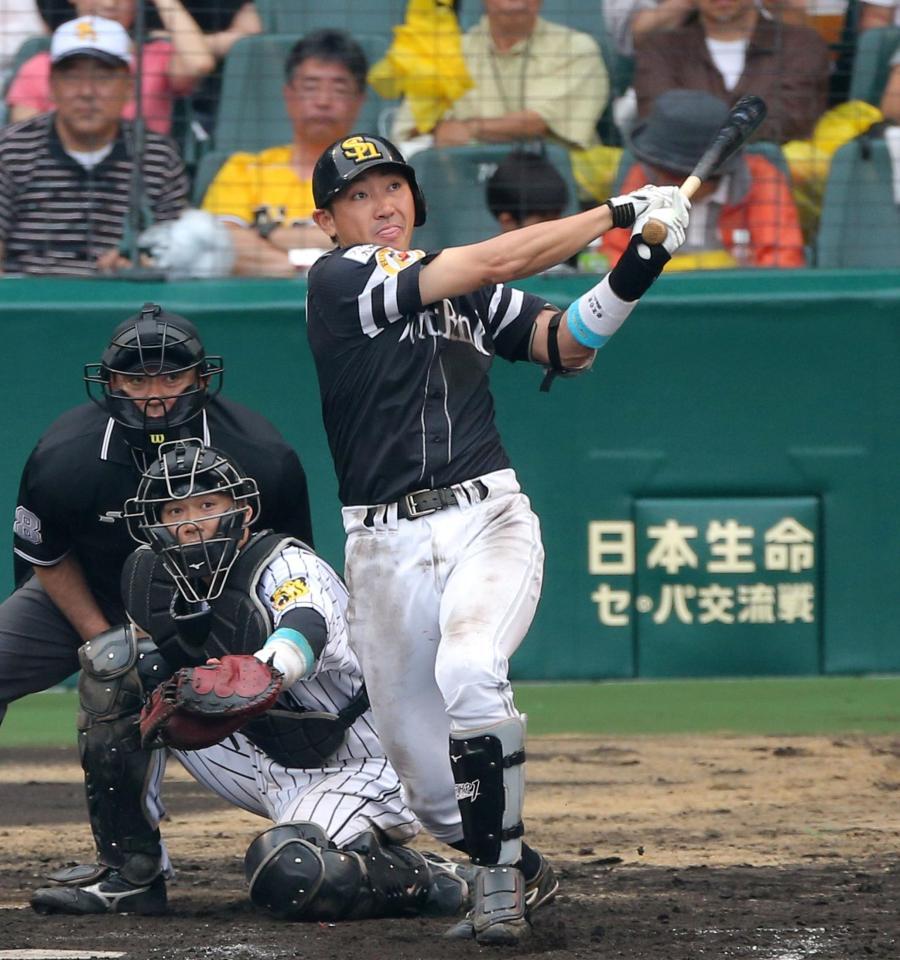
point(731, 48)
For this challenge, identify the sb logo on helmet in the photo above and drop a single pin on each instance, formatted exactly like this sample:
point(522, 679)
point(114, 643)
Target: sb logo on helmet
point(358, 149)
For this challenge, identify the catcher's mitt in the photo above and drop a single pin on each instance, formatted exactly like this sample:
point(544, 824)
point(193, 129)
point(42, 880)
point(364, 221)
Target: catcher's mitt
point(200, 706)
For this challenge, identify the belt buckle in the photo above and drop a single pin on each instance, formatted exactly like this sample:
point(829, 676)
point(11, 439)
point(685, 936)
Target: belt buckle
point(414, 512)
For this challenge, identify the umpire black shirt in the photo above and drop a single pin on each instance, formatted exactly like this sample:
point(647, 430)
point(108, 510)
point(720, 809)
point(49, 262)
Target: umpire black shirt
point(404, 385)
point(82, 471)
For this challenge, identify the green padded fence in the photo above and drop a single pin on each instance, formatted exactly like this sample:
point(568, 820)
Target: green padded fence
point(718, 497)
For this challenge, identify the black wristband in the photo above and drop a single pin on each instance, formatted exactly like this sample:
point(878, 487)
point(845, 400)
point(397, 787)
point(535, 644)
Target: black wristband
point(623, 214)
point(632, 276)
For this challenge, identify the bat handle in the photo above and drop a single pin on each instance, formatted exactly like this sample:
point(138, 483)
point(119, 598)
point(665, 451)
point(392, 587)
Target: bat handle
point(655, 231)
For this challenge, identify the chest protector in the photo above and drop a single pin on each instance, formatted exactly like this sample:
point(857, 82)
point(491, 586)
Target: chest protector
point(235, 622)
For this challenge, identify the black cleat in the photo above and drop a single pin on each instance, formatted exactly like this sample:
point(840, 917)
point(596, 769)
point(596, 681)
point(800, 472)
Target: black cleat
point(112, 893)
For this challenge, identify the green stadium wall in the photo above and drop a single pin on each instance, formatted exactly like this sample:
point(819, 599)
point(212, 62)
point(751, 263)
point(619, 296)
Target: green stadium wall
point(719, 496)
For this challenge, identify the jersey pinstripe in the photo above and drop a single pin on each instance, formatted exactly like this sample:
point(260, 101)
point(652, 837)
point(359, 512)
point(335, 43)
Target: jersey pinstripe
point(404, 385)
point(304, 580)
point(358, 788)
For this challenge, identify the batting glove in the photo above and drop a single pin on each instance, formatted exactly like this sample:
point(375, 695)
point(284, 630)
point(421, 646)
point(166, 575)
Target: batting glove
point(675, 217)
point(629, 206)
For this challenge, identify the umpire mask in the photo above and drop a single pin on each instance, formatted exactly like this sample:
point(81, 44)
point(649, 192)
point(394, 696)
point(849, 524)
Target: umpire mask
point(194, 508)
point(154, 376)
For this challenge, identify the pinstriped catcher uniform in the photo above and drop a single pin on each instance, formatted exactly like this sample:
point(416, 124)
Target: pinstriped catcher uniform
point(357, 788)
point(203, 587)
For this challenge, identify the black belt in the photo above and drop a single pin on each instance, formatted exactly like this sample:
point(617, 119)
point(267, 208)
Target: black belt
point(422, 503)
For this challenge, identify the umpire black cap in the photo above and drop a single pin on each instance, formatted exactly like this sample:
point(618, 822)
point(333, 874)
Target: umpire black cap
point(352, 156)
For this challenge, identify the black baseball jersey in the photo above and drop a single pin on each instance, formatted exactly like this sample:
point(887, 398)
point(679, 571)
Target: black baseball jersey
point(404, 385)
point(82, 471)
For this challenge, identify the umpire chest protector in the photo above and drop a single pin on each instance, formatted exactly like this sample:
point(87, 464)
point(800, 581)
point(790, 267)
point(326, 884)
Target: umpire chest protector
point(235, 622)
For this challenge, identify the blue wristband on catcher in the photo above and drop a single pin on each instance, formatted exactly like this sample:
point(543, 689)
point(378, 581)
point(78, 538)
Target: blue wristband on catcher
point(296, 638)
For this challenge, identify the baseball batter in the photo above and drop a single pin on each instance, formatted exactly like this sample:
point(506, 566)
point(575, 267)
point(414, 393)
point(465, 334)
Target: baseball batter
point(312, 765)
point(443, 555)
point(154, 383)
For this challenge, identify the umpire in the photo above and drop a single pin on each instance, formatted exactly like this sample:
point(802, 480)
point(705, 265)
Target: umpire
point(154, 383)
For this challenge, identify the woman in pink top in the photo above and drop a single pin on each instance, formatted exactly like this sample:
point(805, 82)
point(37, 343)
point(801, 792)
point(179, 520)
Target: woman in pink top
point(171, 64)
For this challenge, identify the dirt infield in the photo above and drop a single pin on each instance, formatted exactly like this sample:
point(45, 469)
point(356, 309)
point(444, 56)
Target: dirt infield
point(703, 847)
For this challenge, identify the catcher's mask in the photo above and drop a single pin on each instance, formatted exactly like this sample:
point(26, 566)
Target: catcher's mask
point(350, 157)
point(198, 562)
point(153, 343)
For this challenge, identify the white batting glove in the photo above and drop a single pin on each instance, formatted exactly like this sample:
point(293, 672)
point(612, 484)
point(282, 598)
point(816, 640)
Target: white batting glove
point(630, 206)
point(675, 217)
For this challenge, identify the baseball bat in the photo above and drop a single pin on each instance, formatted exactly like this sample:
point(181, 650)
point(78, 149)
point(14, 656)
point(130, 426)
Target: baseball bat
point(743, 118)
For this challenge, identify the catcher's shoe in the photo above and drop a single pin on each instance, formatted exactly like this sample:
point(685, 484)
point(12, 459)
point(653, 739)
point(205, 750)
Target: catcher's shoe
point(451, 886)
point(539, 890)
point(497, 916)
point(112, 893)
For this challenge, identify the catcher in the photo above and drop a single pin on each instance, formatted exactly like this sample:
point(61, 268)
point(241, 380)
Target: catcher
point(262, 701)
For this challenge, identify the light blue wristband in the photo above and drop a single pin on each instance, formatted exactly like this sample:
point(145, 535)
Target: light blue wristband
point(580, 330)
point(295, 637)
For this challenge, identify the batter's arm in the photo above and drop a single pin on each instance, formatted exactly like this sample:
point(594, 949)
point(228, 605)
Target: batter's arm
point(511, 256)
point(572, 354)
point(66, 586)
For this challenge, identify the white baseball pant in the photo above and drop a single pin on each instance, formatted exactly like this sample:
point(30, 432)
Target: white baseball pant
point(438, 605)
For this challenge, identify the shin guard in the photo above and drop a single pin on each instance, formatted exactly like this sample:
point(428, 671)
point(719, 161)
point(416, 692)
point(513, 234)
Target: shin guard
point(488, 767)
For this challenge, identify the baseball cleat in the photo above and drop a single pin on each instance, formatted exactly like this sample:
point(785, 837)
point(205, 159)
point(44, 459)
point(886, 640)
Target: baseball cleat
point(111, 894)
point(497, 916)
point(451, 886)
point(541, 889)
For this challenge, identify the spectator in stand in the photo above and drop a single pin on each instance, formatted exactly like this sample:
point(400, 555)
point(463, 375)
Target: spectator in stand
point(172, 64)
point(525, 189)
point(532, 79)
point(744, 216)
point(878, 13)
point(890, 100)
point(71, 219)
point(731, 48)
point(265, 199)
point(630, 18)
point(19, 20)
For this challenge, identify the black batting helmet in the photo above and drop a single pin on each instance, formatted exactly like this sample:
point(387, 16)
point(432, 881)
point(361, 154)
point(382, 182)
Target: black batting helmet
point(198, 564)
point(152, 343)
point(352, 156)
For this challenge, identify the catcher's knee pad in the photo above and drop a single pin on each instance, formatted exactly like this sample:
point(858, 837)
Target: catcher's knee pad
point(295, 872)
point(489, 769)
point(116, 770)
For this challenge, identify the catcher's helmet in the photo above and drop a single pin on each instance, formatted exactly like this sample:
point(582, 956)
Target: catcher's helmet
point(185, 469)
point(352, 156)
point(151, 343)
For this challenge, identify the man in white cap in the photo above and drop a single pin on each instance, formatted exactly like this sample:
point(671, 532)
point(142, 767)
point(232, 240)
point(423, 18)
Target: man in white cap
point(66, 176)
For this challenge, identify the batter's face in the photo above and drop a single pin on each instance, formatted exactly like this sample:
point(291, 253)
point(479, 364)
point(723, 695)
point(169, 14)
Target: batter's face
point(378, 207)
point(154, 396)
point(196, 518)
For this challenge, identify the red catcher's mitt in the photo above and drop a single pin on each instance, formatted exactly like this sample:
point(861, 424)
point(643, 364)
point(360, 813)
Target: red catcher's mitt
point(200, 706)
